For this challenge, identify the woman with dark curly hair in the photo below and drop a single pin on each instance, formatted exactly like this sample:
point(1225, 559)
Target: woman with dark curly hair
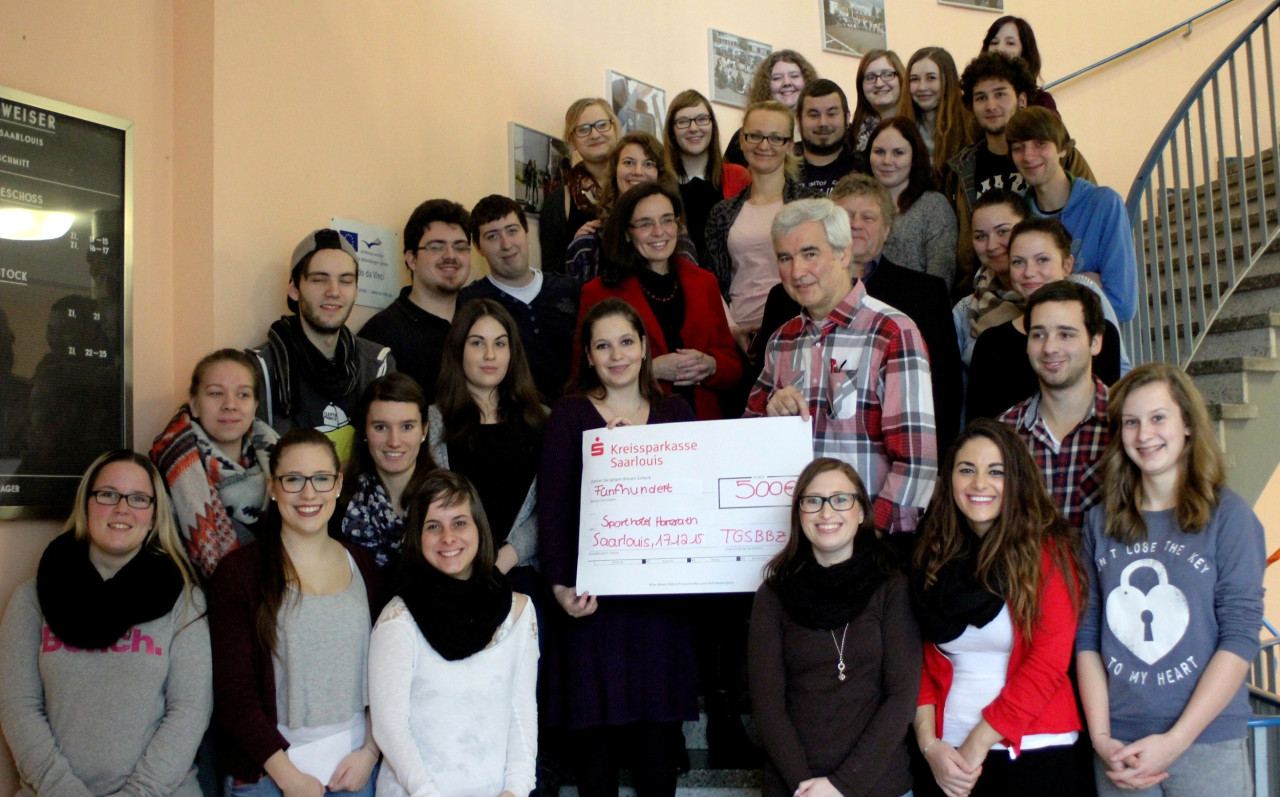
point(998, 588)
point(780, 77)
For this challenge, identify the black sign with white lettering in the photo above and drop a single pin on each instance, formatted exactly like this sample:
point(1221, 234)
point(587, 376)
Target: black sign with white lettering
point(63, 389)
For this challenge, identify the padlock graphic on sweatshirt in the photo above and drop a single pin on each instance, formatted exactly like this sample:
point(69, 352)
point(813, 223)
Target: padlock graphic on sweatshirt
point(1149, 624)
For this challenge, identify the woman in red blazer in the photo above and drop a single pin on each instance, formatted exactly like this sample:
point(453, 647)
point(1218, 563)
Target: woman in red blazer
point(693, 353)
point(998, 591)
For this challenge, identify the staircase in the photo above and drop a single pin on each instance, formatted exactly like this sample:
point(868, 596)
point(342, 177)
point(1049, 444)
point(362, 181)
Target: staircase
point(1206, 223)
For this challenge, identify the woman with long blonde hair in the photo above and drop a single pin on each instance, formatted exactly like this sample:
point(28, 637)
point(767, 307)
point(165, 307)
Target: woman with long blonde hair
point(1175, 604)
point(937, 106)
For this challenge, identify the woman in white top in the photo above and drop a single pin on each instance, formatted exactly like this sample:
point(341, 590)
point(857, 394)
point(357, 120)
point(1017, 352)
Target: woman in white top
point(998, 587)
point(453, 661)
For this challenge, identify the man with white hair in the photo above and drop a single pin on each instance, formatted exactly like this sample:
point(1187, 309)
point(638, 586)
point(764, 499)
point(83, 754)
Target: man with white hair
point(853, 365)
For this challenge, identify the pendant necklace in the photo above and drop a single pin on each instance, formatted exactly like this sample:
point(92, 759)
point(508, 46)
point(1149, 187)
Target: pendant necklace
point(840, 649)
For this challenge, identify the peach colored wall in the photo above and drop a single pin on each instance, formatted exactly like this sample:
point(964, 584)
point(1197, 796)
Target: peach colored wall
point(115, 58)
point(256, 122)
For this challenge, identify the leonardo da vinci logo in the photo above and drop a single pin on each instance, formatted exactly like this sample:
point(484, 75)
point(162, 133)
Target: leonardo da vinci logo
point(597, 448)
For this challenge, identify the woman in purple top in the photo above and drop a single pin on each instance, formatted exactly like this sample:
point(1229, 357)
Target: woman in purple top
point(620, 670)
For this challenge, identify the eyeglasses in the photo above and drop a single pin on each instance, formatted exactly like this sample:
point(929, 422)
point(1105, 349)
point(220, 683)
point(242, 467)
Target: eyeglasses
point(774, 139)
point(888, 76)
point(603, 126)
point(701, 120)
point(134, 500)
point(438, 248)
point(645, 225)
point(840, 502)
point(294, 483)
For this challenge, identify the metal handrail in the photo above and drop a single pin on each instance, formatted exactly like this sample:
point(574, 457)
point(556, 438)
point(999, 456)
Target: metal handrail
point(1186, 23)
point(1179, 227)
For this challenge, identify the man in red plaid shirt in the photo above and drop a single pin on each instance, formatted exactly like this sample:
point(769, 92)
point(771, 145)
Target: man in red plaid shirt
point(852, 364)
point(1065, 424)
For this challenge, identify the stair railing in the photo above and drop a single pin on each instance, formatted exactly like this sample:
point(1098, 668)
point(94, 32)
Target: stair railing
point(1197, 230)
point(1264, 724)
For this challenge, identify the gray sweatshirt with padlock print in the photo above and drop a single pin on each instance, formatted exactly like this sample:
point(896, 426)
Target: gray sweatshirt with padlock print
point(1159, 609)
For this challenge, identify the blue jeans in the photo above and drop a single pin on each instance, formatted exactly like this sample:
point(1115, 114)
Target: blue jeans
point(268, 788)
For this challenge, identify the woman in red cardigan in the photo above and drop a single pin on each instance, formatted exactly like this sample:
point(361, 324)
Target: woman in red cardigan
point(693, 353)
point(998, 590)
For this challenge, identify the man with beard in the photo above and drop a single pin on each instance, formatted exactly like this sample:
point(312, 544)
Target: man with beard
point(1065, 424)
point(824, 121)
point(994, 87)
point(437, 252)
point(544, 306)
point(313, 368)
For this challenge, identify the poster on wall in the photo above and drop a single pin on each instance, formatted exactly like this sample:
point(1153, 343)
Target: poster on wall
point(379, 260)
point(980, 5)
point(733, 62)
point(65, 271)
point(538, 165)
point(639, 107)
point(853, 27)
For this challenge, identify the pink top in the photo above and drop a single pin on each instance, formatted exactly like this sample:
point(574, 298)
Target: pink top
point(755, 266)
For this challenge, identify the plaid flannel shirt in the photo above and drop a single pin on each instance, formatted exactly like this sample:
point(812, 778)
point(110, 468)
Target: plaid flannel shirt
point(1072, 468)
point(864, 371)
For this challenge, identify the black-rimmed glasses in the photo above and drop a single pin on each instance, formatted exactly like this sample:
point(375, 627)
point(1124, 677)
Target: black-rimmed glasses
point(296, 483)
point(701, 120)
point(603, 126)
point(134, 500)
point(840, 502)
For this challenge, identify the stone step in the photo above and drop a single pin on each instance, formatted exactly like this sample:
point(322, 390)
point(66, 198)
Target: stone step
point(699, 781)
point(1273, 217)
point(1251, 185)
point(1223, 343)
point(1226, 380)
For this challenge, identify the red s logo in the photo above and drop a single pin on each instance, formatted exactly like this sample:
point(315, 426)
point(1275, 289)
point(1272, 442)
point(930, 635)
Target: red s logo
point(597, 448)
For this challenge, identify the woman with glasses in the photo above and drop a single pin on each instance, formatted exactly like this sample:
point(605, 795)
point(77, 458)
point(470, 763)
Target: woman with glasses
point(739, 238)
point(637, 158)
point(105, 653)
point(620, 670)
point(945, 124)
point(591, 130)
point(692, 352)
point(780, 77)
point(693, 151)
point(289, 618)
point(213, 454)
point(923, 237)
point(882, 94)
point(390, 454)
point(998, 586)
point(834, 651)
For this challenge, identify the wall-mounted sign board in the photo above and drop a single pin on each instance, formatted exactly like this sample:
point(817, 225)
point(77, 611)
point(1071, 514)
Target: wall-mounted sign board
point(65, 274)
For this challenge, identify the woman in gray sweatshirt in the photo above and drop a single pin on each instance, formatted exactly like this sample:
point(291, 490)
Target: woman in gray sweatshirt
point(106, 685)
point(1175, 604)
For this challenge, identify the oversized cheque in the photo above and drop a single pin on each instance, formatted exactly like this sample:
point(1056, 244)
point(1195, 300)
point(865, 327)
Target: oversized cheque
point(686, 507)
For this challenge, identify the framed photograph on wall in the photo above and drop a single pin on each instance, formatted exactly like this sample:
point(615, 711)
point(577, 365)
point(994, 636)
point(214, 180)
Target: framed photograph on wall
point(733, 60)
point(538, 163)
point(979, 5)
point(639, 106)
point(66, 253)
point(853, 27)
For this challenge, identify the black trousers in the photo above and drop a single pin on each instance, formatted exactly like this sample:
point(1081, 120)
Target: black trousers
point(643, 747)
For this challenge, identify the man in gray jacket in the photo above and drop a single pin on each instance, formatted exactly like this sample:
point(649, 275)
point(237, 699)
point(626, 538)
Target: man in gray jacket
point(313, 368)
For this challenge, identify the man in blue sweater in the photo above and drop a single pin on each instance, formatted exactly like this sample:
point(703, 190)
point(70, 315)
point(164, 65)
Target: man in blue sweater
point(1094, 215)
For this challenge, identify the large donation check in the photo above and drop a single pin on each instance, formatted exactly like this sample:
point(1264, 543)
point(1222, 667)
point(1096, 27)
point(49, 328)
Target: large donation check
point(687, 507)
